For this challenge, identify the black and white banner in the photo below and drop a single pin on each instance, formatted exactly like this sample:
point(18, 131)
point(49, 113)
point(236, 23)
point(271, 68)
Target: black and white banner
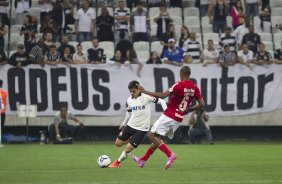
point(101, 90)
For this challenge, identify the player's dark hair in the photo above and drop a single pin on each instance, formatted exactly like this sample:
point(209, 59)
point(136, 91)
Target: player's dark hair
point(63, 108)
point(1, 83)
point(186, 70)
point(133, 84)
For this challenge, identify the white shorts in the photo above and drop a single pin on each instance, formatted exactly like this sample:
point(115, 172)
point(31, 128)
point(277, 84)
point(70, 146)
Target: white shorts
point(165, 126)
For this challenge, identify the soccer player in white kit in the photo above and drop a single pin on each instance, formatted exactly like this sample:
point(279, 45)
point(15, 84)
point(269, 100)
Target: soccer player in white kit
point(137, 121)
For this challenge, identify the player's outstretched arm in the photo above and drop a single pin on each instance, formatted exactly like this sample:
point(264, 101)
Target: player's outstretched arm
point(200, 105)
point(163, 103)
point(125, 121)
point(155, 94)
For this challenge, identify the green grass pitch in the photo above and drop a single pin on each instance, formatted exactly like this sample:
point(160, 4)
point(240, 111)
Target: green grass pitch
point(222, 163)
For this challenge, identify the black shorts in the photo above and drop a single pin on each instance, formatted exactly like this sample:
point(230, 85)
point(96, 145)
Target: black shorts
point(135, 136)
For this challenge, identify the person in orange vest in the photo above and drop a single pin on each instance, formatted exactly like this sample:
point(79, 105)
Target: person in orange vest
point(3, 101)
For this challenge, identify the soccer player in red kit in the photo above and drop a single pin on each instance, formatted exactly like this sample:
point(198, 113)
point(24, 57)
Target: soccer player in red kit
point(182, 93)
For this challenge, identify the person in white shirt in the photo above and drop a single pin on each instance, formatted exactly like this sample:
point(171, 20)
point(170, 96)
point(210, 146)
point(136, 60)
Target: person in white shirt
point(22, 8)
point(137, 120)
point(245, 56)
point(122, 18)
point(139, 23)
point(80, 57)
point(240, 31)
point(210, 55)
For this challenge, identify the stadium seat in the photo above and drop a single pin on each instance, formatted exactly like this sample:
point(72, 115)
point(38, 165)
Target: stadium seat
point(177, 31)
point(110, 10)
point(191, 11)
point(141, 46)
point(211, 36)
point(153, 33)
point(38, 36)
point(207, 29)
point(35, 11)
point(275, 3)
point(266, 37)
point(191, 21)
point(256, 21)
point(276, 21)
point(109, 48)
point(154, 11)
point(175, 12)
point(268, 46)
point(277, 37)
point(205, 21)
point(74, 44)
point(12, 52)
point(177, 20)
point(197, 29)
point(156, 46)
point(16, 28)
point(188, 3)
point(86, 45)
point(277, 45)
point(15, 39)
point(143, 56)
point(276, 11)
point(35, 3)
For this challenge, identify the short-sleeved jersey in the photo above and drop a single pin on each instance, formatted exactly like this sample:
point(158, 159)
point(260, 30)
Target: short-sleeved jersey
point(183, 93)
point(141, 111)
point(58, 119)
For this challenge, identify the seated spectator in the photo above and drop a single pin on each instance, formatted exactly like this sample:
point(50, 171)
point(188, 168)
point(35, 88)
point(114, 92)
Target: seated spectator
point(20, 58)
point(154, 58)
point(184, 35)
point(67, 56)
point(227, 58)
point(170, 33)
point(228, 38)
point(60, 129)
point(124, 45)
point(140, 23)
point(192, 48)
point(245, 56)
point(240, 31)
point(96, 54)
point(173, 55)
point(163, 20)
point(263, 56)
point(105, 23)
point(265, 17)
point(278, 55)
point(52, 57)
point(199, 127)
point(210, 55)
point(131, 58)
point(80, 57)
point(252, 39)
point(237, 14)
point(3, 58)
point(36, 55)
point(28, 30)
point(117, 58)
point(49, 26)
point(48, 42)
point(65, 44)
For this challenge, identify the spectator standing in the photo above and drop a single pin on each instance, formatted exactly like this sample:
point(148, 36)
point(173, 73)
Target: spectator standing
point(96, 54)
point(265, 17)
point(218, 21)
point(3, 32)
point(263, 56)
point(192, 48)
point(251, 8)
point(22, 8)
point(3, 101)
point(105, 23)
point(154, 58)
point(210, 55)
point(240, 31)
point(4, 12)
point(122, 18)
point(252, 39)
point(237, 14)
point(227, 58)
point(228, 38)
point(85, 22)
point(46, 7)
point(20, 58)
point(29, 31)
point(203, 7)
point(154, 3)
point(3, 58)
point(49, 26)
point(184, 36)
point(163, 20)
point(140, 23)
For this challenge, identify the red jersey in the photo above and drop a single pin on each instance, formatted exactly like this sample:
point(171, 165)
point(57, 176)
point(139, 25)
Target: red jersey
point(183, 93)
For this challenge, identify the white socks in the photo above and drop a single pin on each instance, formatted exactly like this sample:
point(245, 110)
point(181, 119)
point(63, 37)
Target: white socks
point(123, 156)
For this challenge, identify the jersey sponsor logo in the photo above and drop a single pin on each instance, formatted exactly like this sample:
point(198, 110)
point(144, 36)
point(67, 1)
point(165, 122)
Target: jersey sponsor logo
point(136, 108)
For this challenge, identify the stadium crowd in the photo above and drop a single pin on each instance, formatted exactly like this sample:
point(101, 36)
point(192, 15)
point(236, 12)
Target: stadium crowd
point(49, 32)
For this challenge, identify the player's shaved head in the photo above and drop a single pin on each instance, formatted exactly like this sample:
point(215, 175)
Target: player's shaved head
point(133, 84)
point(186, 71)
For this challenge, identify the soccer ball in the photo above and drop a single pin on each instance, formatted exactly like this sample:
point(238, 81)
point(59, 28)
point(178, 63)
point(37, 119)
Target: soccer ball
point(104, 161)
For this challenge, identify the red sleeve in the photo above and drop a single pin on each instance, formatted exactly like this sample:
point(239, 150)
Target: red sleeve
point(173, 88)
point(198, 94)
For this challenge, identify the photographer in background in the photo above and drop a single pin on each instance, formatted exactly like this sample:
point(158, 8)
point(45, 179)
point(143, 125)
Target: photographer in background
point(199, 127)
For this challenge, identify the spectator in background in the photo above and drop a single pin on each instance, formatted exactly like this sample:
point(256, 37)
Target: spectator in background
point(65, 44)
point(105, 23)
point(96, 54)
point(173, 55)
point(52, 57)
point(184, 35)
point(245, 56)
point(220, 8)
point(80, 57)
point(175, 3)
point(278, 55)
point(20, 58)
point(170, 33)
point(124, 44)
point(29, 31)
point(237, 14)
point(4, 12)
point(192, 48)
point(209, 55)
point(3, 58)
point(154, 58)
point(203, 7)
point(228, 38)
point(85, 22)
point(163, 21)
point(22, 8)
point(199, 127)
point(48, 41)
point(46, 7)
point(122, 17)
point(263, 56)
point(3, 101)
point(154, 3)
point(240, 31)
point(140, 23)
point(227, 58)
point(3, 32)
point(49, 26)
point(131, 58)
point(36, 55)
point(251, 8)
point(67, 56)
point(252, 39)
point(117, 58)
point(265, 17)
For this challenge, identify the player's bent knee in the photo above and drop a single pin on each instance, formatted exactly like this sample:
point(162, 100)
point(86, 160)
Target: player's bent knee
point(119, 143)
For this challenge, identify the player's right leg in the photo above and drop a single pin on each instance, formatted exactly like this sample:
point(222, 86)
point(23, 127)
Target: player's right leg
point(141, 160)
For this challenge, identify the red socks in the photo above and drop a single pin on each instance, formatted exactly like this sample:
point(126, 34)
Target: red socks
point(165, 149)
point(148, 153)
